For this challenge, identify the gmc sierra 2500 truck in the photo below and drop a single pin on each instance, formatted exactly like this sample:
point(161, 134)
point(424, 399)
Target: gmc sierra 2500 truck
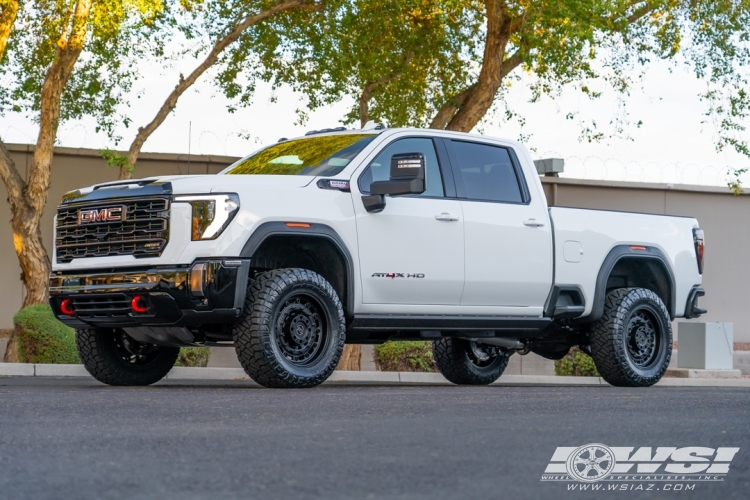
point(365, 236)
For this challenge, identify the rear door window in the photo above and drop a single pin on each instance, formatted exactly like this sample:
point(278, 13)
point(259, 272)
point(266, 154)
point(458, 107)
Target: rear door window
point(487, 172)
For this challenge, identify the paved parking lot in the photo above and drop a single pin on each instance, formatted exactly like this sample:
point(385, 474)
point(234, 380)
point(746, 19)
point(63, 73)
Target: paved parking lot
point(75, 438)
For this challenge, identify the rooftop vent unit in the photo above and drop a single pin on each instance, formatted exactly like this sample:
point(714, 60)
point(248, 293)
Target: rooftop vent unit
point(371, 125)
point(550, 167)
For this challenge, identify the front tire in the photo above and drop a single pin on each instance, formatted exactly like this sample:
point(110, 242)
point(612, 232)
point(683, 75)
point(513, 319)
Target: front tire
point(292, 330)
point(111, 356)
point(466, 362)
point(632, 343)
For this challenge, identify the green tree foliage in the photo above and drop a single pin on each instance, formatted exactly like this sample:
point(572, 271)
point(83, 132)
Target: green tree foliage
point(116, 35)
point(212, 26)
point(395, 58)
point(446, 63)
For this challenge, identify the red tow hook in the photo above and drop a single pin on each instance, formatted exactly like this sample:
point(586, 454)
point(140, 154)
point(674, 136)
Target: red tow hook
point(138, 304)
point(66, 307)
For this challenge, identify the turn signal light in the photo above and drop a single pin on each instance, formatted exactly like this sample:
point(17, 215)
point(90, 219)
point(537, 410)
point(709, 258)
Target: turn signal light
point(138, 304)
point(66, 307)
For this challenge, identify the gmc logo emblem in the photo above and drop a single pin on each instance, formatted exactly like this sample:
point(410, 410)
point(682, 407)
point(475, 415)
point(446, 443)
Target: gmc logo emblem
point(112, 214)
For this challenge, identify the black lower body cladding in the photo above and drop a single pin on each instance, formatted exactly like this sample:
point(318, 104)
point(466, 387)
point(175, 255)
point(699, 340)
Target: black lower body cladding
point(167, 300)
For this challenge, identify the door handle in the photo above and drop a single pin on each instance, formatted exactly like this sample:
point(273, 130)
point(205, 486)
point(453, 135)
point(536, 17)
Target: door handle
point(533, 223)
point(446, 217)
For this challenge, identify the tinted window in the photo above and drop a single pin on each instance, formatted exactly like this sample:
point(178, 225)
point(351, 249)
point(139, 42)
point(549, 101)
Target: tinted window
point(487, 172)
point(324, 155)
point(380, 168)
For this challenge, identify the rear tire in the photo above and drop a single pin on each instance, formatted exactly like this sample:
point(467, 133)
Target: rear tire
point(292, 330)
point(632, 343)
point(465, 362)
point(114, 358)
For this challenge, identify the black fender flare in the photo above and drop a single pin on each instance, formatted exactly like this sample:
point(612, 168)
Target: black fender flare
point(278, 228)
point(613, 257)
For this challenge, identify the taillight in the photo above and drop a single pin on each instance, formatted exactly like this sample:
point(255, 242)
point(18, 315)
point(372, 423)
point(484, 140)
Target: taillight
point(699, 246)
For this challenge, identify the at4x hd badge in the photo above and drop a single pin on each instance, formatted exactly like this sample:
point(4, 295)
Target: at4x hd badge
point(397, 275)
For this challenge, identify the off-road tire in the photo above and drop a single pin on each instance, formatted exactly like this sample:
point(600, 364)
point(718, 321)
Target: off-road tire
point(259, 341)
point(452, 356)
point(612, 345)
point(98, 350)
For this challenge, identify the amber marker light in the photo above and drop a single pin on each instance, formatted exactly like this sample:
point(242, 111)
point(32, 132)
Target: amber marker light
point(303, 225)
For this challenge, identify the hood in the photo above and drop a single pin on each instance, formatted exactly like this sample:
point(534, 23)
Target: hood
point(184, 184)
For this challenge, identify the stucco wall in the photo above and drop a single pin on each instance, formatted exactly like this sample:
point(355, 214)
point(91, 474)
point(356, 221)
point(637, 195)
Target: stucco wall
point(724, 217)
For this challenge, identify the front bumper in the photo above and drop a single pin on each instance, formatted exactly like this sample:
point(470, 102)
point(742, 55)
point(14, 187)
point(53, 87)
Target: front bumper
point(210, 291)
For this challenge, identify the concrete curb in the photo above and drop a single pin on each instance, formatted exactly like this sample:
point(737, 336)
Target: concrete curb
point(371, 377)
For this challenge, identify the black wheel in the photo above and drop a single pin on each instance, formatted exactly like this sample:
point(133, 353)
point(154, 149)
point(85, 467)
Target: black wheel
point(292, 330)
point(113, 357)
point(466, 362)
point(632, 343)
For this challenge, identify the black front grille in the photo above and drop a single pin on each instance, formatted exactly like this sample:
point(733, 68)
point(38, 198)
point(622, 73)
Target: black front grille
point(144, 232)
point(101, 305)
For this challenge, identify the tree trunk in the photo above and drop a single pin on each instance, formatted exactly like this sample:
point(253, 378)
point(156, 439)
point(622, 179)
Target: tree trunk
point(449, 109)
point(27, 199)
point(463, 111)
point(126, 170)
point(480, 98)
point(350, 358)
point(7, 19)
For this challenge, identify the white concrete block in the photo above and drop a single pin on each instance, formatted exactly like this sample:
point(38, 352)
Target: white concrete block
point(706, 346)
point(16, 369)
point(44, 370)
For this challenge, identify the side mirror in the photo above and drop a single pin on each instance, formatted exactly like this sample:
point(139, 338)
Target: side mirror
point(407, 177)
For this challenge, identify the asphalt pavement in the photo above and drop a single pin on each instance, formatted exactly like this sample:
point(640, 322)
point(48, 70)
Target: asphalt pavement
point(75, 438)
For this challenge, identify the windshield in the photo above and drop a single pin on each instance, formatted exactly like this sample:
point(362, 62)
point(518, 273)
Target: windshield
point(326, 155)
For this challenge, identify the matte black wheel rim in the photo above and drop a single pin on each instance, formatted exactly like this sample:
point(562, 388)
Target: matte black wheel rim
point(301, 330)
point(133, 352)
point(481, 355)
point(644, 338)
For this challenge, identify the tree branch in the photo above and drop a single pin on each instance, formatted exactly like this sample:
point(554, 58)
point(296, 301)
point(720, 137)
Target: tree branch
point(13, 181)
point(449, 109)
point(185, 83)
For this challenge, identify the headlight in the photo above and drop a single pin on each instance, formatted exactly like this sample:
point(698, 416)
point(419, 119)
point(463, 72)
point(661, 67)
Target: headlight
point(212, 213)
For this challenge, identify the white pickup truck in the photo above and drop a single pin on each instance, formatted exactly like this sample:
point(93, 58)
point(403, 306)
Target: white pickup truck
point(365, 236)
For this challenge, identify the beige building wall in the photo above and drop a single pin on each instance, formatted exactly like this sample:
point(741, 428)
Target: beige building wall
point(724, 217)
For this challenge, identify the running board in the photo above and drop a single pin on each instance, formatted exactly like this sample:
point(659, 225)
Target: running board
point(392, 322)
